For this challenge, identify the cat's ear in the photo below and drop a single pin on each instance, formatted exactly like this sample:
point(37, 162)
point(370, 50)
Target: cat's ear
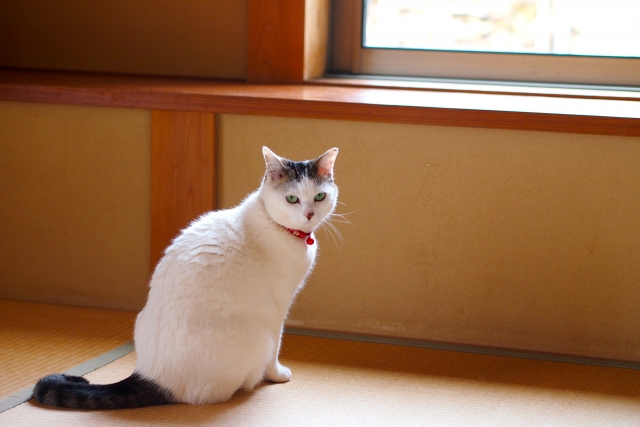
point(326, 162)
point(274, 164)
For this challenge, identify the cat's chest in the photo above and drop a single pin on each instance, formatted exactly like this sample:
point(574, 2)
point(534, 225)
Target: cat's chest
point(287, 268)
point(292, 261)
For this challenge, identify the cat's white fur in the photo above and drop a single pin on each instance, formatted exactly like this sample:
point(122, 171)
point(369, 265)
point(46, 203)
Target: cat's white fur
point(219, 296)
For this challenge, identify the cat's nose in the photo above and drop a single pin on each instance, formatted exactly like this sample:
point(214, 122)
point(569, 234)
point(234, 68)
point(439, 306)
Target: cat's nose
point(310, 215)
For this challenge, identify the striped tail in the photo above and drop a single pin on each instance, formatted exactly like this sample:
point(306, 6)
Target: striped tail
point(67, 391)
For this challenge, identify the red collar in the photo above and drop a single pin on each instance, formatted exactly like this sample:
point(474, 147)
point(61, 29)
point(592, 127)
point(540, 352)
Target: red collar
point(301, 235)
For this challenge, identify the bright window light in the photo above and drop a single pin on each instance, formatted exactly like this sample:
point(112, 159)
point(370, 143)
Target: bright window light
point(556, 27)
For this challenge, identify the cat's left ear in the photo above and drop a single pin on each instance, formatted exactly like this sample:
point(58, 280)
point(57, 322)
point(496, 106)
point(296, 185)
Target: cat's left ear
point(326, 162)
point(274, 164)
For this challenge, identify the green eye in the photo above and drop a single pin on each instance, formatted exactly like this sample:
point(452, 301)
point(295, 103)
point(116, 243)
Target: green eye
point(293, 199)
point(320, 196)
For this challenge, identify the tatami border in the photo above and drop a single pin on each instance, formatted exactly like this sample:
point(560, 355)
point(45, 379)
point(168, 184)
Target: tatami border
point(79, 370)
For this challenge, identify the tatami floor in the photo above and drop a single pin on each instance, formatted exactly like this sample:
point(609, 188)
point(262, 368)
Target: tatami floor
point(335, 382)
point(38, 339)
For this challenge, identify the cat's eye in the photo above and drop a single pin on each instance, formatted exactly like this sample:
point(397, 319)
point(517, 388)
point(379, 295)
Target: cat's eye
point(293, 199)
point(320, 197)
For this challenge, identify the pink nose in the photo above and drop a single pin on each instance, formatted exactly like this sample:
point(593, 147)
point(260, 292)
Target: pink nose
point(309, 215)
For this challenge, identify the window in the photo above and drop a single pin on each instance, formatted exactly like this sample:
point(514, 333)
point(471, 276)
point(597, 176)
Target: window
point(593, 42)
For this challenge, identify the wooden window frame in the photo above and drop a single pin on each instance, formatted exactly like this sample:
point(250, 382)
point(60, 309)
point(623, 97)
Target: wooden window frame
point(350, 57)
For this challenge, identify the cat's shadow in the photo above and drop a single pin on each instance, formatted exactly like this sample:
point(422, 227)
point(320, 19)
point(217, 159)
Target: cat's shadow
point(184, 414)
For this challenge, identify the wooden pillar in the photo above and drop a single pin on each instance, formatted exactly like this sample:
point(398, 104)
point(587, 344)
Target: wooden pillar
point(183, 175)
point(287, 40)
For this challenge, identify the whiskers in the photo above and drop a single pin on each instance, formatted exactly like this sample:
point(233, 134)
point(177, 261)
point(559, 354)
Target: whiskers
point(330, 229)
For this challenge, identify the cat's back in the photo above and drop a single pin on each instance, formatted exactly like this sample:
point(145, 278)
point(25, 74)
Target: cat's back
point(217, 229)
point(201, 271)
point(214, 238)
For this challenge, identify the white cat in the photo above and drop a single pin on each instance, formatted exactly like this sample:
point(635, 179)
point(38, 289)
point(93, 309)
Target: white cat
point(219, 296)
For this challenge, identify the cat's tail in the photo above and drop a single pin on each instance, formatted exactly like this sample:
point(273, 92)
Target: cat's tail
point(67, 391)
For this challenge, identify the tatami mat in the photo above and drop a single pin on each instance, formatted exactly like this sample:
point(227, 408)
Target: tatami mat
point(344, 383)
point(40, 339)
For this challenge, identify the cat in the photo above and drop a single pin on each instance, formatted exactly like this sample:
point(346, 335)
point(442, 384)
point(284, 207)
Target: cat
point(218, 298)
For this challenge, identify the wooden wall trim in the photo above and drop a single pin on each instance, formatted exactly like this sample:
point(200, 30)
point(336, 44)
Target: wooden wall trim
point(275, 44)
point(183, 175)
point(497, 111)
point(287, 40)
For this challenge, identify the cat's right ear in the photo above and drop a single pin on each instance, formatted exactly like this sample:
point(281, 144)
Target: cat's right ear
point(274, 165)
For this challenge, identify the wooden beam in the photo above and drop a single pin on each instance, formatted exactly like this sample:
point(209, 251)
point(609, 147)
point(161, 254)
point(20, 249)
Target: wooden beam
point(287, 40)
point(183, 178)
point(316, 38)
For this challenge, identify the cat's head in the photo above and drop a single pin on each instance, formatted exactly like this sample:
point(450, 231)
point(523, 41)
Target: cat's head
point(299, 195)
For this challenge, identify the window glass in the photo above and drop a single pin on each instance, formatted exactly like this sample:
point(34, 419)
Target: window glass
point(561, 27)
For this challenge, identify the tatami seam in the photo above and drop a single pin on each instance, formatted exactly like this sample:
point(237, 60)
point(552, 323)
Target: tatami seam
point(84, 368)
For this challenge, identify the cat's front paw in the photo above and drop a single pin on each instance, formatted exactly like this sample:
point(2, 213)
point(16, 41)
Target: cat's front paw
point(277, 373)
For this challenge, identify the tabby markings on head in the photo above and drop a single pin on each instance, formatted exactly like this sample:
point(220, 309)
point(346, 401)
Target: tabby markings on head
point(292, 172)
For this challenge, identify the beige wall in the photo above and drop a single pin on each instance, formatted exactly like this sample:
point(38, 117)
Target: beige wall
point(203, 38)
point(74, 204)
point(514, 239)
